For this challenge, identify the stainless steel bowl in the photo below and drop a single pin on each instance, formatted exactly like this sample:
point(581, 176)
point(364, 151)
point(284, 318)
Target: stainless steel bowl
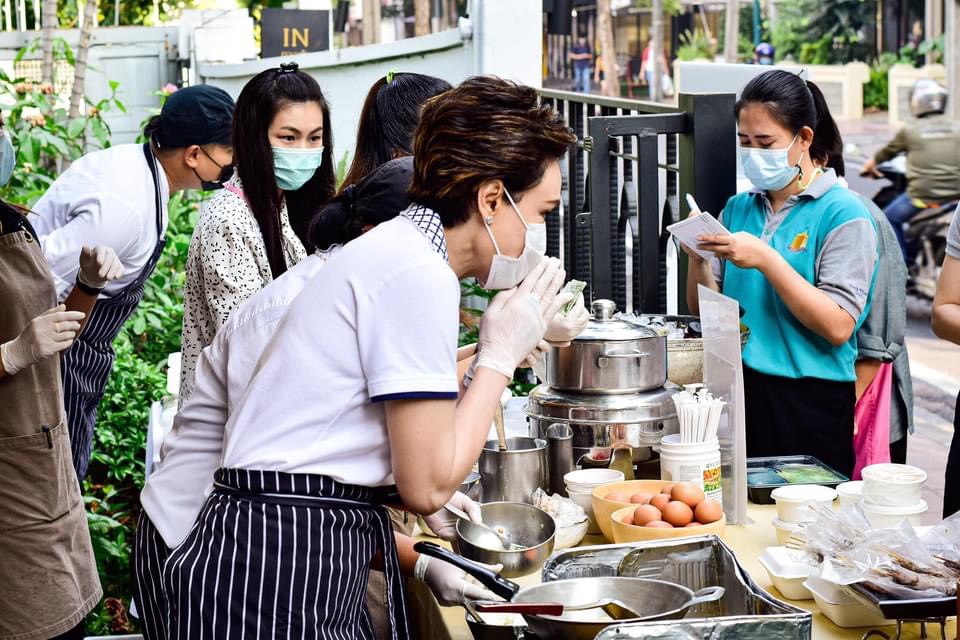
point(531, 528)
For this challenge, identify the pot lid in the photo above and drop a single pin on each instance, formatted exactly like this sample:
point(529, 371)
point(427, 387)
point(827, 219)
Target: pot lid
point(605, 327)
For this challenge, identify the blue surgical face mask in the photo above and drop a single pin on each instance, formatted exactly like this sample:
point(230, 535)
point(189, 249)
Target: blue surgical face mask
point(293, 168)
point(8, 158)
point(769, 169)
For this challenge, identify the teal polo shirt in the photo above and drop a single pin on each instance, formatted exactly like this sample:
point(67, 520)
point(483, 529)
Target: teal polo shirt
point(828, 237)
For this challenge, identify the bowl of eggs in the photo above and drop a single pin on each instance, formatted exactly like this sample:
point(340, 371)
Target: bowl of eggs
point(653, 509)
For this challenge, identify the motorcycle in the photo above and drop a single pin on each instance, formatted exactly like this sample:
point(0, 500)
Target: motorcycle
point(925, 233)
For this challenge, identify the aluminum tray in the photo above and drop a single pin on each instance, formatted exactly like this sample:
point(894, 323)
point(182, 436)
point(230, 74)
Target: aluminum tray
point(944, 607)
point(745, 612)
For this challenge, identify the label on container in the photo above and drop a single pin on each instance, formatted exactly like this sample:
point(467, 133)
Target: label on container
point(704, 475)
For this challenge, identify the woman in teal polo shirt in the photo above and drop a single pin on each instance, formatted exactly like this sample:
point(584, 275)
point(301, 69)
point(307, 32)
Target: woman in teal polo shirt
point(801, 260)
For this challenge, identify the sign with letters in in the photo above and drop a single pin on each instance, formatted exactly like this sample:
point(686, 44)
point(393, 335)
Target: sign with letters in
point(288, 32)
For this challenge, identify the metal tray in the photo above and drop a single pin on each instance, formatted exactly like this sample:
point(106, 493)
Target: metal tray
point(758, 491)
point(907, 609)
point(745, 612)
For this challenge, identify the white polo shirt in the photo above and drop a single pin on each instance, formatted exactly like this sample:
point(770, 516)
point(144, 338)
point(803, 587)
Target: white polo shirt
point(379, 322)
point(104, 198)
point(174, 493)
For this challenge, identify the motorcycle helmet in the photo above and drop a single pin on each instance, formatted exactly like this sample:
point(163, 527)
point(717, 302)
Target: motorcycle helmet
point(927, 97)
point(764, 53)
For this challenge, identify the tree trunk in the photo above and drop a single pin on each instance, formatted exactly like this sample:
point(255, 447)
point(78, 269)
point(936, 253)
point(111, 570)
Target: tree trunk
point(49, 25)
point(371, 21)
point(610, 86)
point(731, 32)
point(83, 48)
point(656, 33)
point(421, 17)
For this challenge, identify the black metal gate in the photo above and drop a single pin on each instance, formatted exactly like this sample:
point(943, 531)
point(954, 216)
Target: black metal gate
point(612, 234)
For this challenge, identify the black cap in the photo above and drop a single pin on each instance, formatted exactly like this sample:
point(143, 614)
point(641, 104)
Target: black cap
point(201, 114)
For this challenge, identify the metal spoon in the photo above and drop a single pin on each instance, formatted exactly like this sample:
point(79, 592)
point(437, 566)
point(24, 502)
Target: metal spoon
point(505, 538)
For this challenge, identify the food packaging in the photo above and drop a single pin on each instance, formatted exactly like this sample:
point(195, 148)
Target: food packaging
point(842, 609)
point(787, 572)
point(881, 517)
point(893, 485)
point(697, 462)
point(793, 501)
point(784, 529)
point(850, 492)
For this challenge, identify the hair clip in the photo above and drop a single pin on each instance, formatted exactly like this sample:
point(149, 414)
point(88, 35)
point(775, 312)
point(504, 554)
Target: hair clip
point(289, 67)
point(390, 75)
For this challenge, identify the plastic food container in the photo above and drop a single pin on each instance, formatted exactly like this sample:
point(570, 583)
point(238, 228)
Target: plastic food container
point(584, 480)
point(793, 501)
point(784, 530)
point(850, 492)
point(697, 462)
point(766, 474)
point(843, 609)
point(787, 572)
point(893, 485)
point(881, 517)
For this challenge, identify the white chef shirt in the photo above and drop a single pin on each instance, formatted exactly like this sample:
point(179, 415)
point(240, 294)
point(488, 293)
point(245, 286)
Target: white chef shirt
point(379, 322)
point(174, 493)
point(104, 198)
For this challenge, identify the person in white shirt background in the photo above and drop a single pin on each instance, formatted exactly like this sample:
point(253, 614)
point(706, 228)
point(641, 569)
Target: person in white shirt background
point(118, 197)
point(361, 371)
point(282, 143)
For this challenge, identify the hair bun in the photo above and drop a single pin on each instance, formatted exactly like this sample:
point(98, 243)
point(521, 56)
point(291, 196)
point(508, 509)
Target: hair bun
point(289, 67)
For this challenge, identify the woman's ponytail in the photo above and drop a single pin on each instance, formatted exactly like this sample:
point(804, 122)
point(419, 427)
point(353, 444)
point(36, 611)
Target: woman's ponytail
point(827, 144)
point(337, 223)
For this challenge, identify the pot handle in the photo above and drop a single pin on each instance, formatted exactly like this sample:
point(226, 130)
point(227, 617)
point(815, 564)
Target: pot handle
point(504, 588)
point(603, 361)
point(524, 608)
point(707, 594)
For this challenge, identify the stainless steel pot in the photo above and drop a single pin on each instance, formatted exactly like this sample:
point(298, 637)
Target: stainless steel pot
point(610, 356)
point(513, 475)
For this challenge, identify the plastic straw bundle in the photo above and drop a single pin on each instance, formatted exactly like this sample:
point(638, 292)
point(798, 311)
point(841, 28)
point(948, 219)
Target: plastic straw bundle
point(698, 413)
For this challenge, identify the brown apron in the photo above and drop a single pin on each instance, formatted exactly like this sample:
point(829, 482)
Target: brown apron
point(47, 569)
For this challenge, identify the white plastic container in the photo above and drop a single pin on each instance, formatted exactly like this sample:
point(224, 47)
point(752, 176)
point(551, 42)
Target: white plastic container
point(793, 501)
point(850, 492)
point(697, 463)
point(787, 572)
point(893, 485)
point(881, 517)
point(585, 480)
point(784, 530)
point(842, 609)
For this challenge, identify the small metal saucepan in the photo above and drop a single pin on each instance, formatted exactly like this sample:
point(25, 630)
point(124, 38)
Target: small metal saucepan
point(652, 599)
point(531, 528)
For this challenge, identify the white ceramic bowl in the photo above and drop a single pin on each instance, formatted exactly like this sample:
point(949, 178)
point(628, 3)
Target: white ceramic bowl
point(842, 609)
point(585, 500)
point(893, 485)
point(850, 492)
point(784, 529)
point(881, 517)
point(787, 572)
point(587, 479)
point(793, 501)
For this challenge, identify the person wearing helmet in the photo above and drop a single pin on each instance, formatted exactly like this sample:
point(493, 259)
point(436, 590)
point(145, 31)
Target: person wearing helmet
point(764, 54)
point(932, 145)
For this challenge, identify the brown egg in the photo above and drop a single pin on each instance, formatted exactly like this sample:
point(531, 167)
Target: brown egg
point(640, 498)
point(618, 496)
point(708, 511)
point(659, 524)
point(646, 513)
point(660, 501)
point(687, 493)
point(667, 488)
point(693, 524)
point(678, 514)
point(627, 519)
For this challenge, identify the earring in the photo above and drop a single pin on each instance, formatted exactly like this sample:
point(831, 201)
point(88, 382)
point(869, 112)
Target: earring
point(489, 220)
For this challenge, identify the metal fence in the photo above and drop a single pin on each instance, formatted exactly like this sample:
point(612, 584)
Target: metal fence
point(623, 186)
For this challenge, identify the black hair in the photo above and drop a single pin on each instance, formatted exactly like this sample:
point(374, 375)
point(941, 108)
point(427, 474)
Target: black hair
point(259, 101)
point(794, 104)
point(388, 120)
point(377, 198)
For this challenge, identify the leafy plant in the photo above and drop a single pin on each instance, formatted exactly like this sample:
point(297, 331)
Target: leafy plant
point(694, 45)
point(824, 32)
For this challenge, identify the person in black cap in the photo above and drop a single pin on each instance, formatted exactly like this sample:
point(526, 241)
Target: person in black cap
point(118, 197)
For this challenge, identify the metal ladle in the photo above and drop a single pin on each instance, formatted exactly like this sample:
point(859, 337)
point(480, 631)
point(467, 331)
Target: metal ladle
point(505, 538)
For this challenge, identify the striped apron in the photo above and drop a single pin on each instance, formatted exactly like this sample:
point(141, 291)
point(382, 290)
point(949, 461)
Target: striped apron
point(87, 364)
point(278, 555)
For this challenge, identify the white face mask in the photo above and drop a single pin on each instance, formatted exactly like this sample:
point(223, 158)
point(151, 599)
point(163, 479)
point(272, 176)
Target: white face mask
point(506, 272)
point(769, 169)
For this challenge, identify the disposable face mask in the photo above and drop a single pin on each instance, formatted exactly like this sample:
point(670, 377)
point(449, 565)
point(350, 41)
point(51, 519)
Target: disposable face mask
point(226, 171)
point(8, 158)
point(506, 272)
point(293, 168)
point(769, 169)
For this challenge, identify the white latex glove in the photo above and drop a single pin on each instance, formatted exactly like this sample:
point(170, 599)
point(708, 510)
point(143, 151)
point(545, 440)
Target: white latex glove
point(47, 334)
point(561, 329)
point(513, 324)
point(98, 266)
point(537, 355)
point(444, 524)
point(450, 585)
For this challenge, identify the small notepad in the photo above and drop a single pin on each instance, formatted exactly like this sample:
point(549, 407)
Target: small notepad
point(702, 224)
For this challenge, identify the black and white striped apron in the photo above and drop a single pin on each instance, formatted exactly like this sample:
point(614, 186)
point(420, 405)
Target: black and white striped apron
point(149, 556)
point(278, 555)
point(86, 365)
